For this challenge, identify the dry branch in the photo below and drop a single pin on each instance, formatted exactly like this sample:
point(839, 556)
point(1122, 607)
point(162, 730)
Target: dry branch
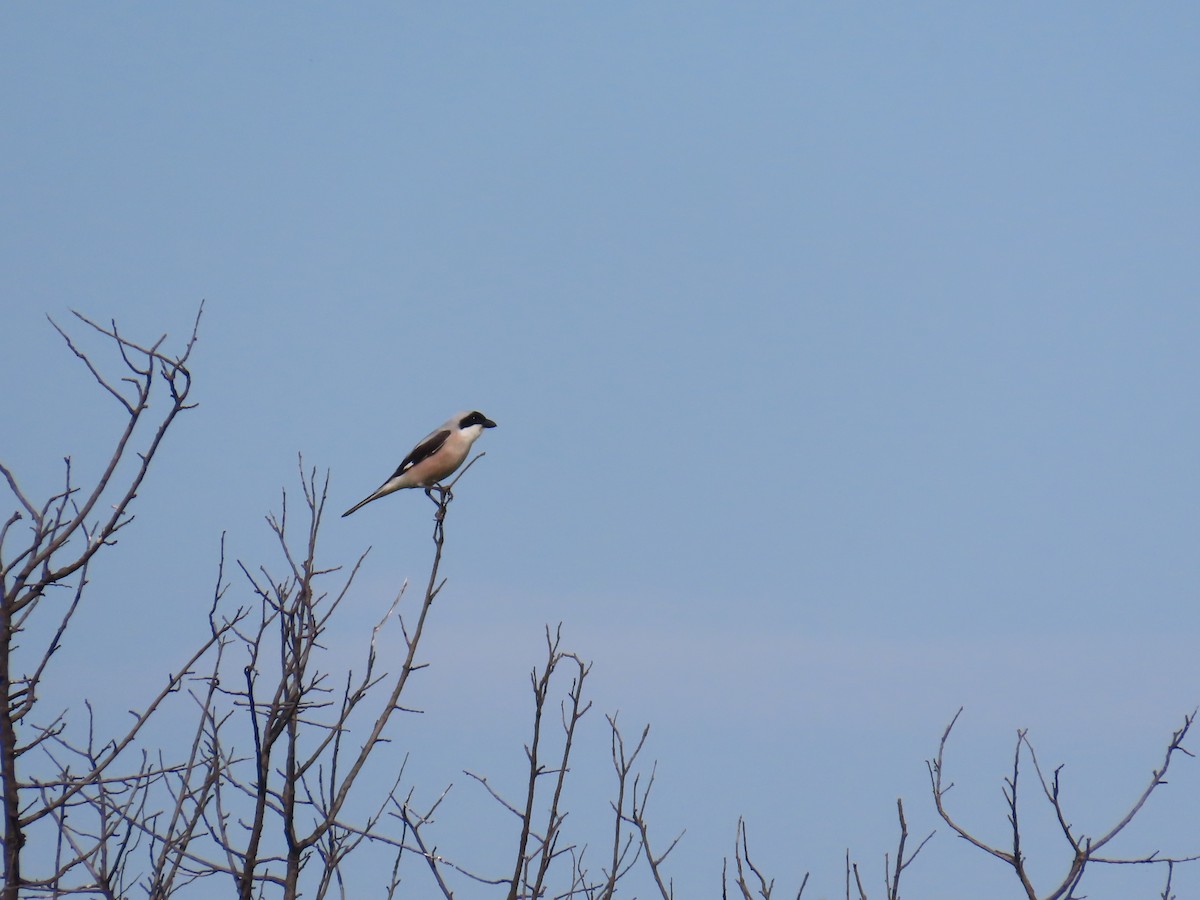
point(1084, 849)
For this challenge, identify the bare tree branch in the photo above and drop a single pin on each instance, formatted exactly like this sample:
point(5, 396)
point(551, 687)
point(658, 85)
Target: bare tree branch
point(1084, 850)
point(65, 533)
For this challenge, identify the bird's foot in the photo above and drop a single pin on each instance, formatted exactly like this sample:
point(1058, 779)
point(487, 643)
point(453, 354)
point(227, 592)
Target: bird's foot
point(441, 500)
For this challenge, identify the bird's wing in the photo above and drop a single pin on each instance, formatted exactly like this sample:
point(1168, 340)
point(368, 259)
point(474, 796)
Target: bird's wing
point(423, 451)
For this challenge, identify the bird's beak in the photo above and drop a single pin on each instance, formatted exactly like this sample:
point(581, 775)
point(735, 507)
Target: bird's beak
point(488, 423)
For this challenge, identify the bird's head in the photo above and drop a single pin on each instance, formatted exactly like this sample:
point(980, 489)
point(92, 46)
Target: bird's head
point(473, 422)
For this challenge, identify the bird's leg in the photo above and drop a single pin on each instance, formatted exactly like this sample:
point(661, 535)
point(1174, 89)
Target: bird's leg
point(441, 501)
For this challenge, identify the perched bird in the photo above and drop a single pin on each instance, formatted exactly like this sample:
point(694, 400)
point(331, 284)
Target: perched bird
point(438, 455)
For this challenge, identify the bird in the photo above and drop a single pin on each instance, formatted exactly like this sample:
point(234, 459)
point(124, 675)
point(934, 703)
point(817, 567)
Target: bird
point(435, 457)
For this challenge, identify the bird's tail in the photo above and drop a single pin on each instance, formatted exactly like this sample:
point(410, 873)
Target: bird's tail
point(361, 503)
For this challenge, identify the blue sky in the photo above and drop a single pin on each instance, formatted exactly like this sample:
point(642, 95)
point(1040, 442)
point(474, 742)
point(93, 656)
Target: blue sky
point(844, 357)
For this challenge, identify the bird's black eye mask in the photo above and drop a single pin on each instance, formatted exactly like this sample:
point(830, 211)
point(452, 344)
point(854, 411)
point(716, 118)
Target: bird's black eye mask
point(476, 418)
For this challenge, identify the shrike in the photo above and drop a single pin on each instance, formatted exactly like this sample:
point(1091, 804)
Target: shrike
point(438, 455)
